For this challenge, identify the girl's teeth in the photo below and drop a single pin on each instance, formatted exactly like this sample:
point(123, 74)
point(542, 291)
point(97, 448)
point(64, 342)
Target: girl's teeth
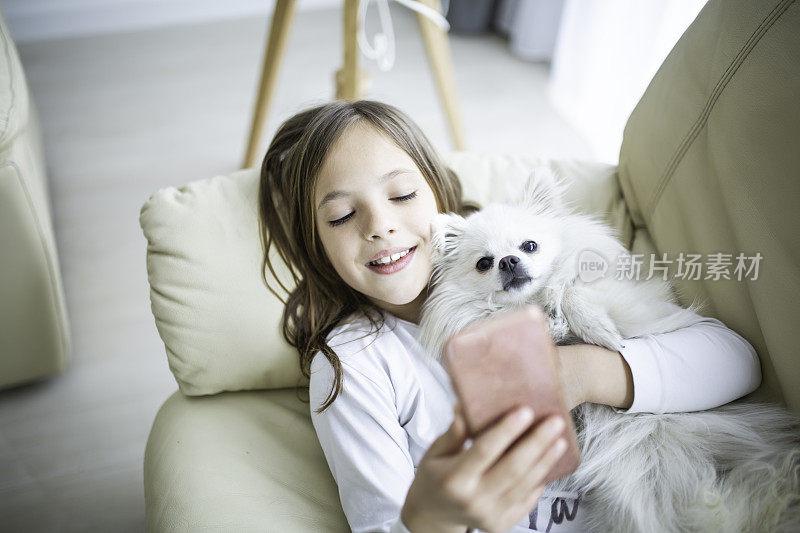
point(390, 258)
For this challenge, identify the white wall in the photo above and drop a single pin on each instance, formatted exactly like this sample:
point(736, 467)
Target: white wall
point(606, 54)
point(34, 20)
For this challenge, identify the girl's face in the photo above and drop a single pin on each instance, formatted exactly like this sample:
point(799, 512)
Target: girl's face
point(371, 200)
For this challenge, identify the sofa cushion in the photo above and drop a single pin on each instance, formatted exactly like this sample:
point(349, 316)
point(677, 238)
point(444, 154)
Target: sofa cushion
point(220, 325)
point(710, 164)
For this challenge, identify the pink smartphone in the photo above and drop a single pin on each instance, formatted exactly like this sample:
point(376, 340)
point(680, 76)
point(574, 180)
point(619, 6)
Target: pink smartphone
point(508, 361)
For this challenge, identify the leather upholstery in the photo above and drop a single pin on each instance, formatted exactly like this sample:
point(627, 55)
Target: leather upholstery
point(34, 332)
point(710, 163)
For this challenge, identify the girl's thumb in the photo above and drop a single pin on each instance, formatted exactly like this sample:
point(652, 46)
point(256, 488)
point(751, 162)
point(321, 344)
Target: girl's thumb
point(452, 440)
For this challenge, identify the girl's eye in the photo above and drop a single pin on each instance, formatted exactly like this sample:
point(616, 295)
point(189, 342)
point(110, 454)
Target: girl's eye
point(529, 246)
point(351, 213)
point(341, 220)
point(406, 197)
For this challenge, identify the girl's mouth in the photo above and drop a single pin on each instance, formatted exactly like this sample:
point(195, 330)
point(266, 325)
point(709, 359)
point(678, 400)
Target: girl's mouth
point(391, 268)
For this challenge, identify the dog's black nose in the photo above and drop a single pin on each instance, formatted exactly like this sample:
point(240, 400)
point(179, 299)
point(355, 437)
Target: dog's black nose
point(509, 262)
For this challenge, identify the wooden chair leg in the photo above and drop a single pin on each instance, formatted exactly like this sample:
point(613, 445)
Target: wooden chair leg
point(438, 48)
point(349, 79)
point(276, 45)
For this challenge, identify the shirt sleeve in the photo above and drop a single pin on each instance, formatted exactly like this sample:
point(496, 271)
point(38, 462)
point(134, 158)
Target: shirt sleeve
point(698, 367)
point(364, 445)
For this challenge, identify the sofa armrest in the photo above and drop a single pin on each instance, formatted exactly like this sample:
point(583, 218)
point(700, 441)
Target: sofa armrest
point(238, 461)
point(34, 333)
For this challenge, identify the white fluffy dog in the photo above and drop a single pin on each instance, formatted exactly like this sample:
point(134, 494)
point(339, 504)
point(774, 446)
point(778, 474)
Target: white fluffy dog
point(734, 468)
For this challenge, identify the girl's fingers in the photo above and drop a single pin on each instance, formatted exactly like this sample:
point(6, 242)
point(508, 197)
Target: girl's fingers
point(520, 508)
point(522, 498)
point(487, 448)
point(529, 489)
point(514, 468)
point(451, 440)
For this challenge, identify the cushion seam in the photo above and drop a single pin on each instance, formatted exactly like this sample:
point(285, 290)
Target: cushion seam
point(702, 119)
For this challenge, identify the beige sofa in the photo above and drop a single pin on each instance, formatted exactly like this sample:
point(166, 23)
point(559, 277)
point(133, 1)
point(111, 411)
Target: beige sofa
point(34, 333)
point(709, 165)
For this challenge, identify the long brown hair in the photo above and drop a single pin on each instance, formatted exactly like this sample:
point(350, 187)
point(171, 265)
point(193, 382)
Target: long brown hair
point(320, 299)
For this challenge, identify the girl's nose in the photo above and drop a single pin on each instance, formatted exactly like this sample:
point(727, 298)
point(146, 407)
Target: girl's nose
point(377, 232)
point(378, 226)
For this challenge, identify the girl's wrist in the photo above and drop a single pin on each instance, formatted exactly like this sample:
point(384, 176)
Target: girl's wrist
point(606, 376)
point(573, 376)
point(415, 522)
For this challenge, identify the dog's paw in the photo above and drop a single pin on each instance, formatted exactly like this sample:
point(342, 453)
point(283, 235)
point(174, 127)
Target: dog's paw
point(601, 335)
point(558, 327)
point(590, 322)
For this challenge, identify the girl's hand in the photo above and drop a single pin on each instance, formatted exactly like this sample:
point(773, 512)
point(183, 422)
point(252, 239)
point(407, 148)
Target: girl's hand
point(490, 486)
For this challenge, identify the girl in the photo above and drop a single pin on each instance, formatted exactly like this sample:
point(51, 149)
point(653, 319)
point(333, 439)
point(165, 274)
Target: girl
point(347, 184)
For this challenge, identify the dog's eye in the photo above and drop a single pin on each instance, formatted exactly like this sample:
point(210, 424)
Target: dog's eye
point(484, 264)
point(529, 246)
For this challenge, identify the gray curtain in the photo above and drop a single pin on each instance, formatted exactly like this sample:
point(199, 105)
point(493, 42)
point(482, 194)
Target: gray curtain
point(531, 26)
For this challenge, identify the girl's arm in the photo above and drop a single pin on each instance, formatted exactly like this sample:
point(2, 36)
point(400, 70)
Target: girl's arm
point(698, 367)
point(496, 481)
point(364, 445)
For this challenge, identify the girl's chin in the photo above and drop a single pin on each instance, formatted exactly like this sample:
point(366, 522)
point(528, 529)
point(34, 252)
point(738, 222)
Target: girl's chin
point(398, 300)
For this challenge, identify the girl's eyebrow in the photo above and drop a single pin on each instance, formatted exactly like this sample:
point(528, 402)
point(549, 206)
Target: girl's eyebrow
point(338, 194)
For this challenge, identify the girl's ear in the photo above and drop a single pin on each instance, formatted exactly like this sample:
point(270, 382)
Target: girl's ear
point(446, 228)
point(543, 191)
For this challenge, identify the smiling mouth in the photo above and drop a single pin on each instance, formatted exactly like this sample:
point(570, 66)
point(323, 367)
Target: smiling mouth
point(394, 266)
point(389, 260)
point(515, 283)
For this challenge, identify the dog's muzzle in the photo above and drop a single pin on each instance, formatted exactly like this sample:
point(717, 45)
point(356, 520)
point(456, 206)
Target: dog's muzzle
point(512, 274)
point(516, 283)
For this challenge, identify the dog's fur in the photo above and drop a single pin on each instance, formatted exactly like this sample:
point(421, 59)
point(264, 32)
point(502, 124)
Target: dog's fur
point(733, 468)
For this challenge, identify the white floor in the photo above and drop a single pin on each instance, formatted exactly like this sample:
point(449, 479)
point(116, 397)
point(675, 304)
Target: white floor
point(126, 114)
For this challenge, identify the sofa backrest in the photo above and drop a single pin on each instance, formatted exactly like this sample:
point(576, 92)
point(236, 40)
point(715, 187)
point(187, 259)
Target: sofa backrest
point(710, 164)
point(221, 327)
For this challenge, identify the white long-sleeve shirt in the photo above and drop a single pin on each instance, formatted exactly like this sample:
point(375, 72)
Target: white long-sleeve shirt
point(395, 403)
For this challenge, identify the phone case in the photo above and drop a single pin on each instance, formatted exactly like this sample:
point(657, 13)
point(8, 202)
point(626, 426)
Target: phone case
point(507, 361)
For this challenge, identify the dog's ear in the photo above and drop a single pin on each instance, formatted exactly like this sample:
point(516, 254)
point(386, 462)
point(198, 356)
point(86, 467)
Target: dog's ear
point(543, 191)
point(446, 228)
